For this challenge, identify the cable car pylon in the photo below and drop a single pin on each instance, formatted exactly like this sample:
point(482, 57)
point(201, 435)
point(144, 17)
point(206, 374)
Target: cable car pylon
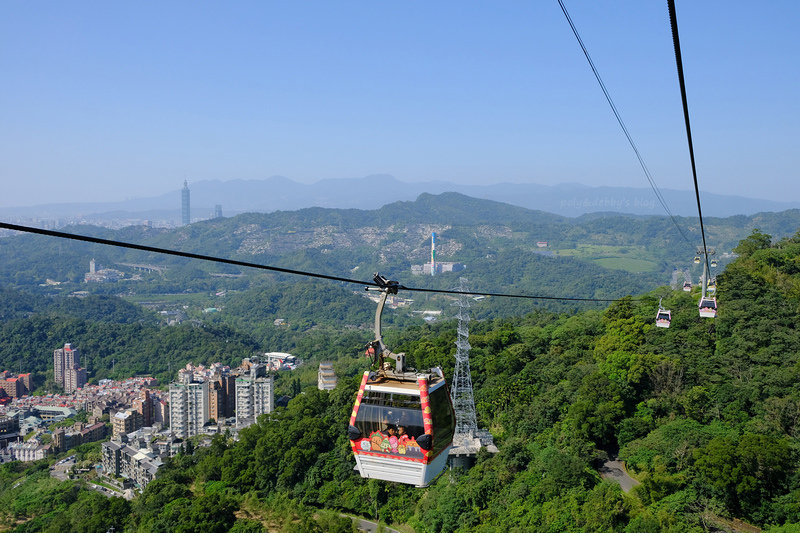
point(468, 439)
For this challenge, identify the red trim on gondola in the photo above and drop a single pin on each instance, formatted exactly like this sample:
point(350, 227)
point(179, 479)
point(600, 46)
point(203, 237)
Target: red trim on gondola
point(427, 419)
point(357, 405)
point(358, 398)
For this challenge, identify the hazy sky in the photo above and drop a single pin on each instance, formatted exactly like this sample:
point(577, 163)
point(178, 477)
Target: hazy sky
point(110, 100)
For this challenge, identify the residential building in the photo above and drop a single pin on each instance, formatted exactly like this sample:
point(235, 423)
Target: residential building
point(188, 408)
point(125, 422)
point(161, 412)
point(93, 433)
point(140, 466)
point(28, 451)
point(229, 384)
point(216, 400)
point(27, 382)
point(9, 431)
point(222, 397)
point(12, 387)
point(144, 404)
point(74, 378)
point(326, 377)
point(65, 439)
point(254, 395)
point(8, 425)
point(67, 371)
point(15, 386)
point(63, 358)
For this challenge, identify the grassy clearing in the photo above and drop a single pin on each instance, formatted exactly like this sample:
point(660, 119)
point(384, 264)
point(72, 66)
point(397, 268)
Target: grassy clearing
point(628, 258)
point(626, 263)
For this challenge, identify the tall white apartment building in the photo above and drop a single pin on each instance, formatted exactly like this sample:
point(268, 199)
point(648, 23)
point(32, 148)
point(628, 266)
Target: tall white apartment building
point(254, 396)
point(188, 408)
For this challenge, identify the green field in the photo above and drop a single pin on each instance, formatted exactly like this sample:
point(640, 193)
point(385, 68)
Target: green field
point(628, 258)
point(626, 263)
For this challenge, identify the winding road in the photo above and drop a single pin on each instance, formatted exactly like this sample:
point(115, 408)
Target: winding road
point(615, 469)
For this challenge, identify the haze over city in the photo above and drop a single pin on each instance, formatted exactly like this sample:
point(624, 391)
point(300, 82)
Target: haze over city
point(108, 101)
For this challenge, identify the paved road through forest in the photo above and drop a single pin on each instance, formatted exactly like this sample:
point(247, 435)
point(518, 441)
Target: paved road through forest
point(615, 469)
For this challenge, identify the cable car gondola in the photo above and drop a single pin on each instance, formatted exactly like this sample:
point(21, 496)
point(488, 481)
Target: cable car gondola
point(713, 263)
point(663, 317)
point(712, 286)
point(697, 259)
point(708, 307)
point(687, 286)
point(402, 424)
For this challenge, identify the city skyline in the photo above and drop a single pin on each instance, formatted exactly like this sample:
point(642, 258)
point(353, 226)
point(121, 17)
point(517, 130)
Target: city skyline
point(108, 102)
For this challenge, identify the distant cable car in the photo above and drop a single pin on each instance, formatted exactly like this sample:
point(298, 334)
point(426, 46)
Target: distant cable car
point(713, 263)
point(712, 286)
point(402, 424)
point(663, 317)
point(687, 286)
point(697, 259)
point(708, 307)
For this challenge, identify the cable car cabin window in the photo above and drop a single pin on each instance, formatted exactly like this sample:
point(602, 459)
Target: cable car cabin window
point(444, 424)
point(390, 423)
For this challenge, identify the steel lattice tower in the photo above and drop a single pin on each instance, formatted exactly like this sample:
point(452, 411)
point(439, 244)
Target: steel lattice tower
point(461, 394)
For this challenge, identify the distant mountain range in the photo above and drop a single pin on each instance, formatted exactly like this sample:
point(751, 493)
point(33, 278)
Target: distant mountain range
point(372, 192)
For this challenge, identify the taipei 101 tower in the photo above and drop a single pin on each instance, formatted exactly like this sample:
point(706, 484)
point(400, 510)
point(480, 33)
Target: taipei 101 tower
point(186, 218)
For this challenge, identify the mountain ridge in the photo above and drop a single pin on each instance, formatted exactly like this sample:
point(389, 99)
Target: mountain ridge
point(278, 193)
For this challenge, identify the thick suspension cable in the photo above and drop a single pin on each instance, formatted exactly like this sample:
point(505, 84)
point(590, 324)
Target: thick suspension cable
point(189, 255)
point(673, 21)
point(647, 174)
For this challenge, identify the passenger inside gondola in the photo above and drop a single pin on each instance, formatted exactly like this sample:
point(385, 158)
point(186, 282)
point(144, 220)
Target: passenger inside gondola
point(380, 417)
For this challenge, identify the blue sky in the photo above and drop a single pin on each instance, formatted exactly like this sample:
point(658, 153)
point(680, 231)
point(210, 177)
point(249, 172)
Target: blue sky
point(103, 101)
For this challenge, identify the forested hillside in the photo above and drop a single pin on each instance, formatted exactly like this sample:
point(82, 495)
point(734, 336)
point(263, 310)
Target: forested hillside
point(114, 334)
point(597, 256)
point(705, 413)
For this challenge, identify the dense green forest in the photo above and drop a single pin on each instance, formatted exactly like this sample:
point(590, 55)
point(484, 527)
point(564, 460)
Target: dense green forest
point(706, 415)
